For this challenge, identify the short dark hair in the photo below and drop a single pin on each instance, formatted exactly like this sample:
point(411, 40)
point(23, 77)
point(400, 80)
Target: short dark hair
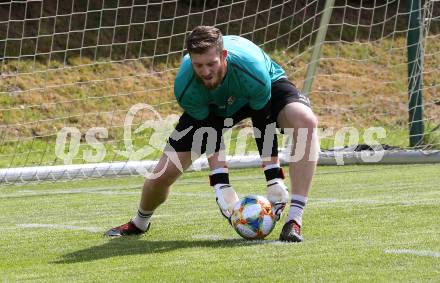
point(203, 38)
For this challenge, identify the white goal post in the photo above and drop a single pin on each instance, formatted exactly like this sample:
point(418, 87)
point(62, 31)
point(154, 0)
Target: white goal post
point(84, 84)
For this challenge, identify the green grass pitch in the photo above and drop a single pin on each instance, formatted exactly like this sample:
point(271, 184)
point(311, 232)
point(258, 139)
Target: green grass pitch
point(362, 223)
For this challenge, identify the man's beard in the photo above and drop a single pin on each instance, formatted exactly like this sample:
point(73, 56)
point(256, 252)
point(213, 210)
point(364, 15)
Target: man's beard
point(216, 81)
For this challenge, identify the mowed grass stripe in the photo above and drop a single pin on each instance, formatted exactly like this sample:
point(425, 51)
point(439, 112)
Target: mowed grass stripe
point(354, 215)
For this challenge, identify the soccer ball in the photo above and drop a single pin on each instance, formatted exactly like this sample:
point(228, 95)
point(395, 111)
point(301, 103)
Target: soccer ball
point(253, 218)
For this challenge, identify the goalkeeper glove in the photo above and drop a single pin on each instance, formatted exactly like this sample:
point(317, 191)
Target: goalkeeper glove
point(277, 192)
point(278, 196)
point(226, 198)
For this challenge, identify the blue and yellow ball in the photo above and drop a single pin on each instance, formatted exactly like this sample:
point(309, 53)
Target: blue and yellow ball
point(253, 218)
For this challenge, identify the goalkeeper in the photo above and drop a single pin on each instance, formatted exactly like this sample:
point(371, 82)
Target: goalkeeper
point(222, 81)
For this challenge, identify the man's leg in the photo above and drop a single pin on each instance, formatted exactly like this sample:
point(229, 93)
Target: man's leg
point(298, 119)
point(155, 192)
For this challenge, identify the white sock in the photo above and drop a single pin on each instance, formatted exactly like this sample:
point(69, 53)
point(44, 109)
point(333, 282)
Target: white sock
point(271, 166)
point(142, 219)
point(220, 170)
point(297, 204)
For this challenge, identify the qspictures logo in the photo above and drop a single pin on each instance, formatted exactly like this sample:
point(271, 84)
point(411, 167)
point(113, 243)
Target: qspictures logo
point(161, 129)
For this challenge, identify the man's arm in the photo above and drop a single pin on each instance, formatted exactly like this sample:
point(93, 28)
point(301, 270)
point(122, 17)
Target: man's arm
point(267, 144)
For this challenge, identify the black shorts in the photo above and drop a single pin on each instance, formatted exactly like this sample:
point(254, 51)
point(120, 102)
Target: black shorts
point(199, 134)
point(284, 92)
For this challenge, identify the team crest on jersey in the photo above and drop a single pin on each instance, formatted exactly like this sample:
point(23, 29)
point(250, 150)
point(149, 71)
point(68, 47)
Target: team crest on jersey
point(231, 100)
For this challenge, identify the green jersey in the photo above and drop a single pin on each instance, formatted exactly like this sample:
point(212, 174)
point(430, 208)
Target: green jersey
point(250, 74)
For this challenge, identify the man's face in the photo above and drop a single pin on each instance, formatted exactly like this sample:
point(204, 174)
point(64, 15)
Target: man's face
point(210, 67)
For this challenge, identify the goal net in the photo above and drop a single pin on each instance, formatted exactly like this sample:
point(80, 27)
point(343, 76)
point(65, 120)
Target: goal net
point(86, 86)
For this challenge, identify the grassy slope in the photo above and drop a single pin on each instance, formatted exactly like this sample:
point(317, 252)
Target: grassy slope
point(357, 92)
point(354, 215)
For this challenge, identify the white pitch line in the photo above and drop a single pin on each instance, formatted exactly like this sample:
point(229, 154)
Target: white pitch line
point(28, 193)
point(102, 191)
point(414, 252)
point(60, 227)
